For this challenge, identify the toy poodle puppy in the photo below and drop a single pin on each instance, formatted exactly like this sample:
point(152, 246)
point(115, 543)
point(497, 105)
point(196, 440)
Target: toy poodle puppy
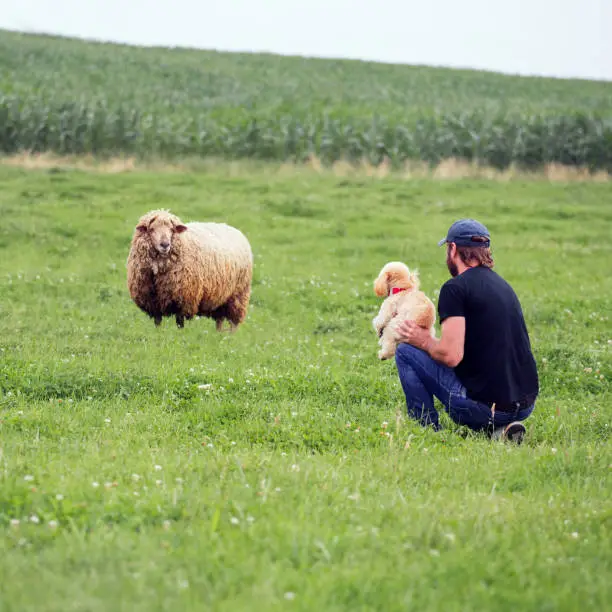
point(403, 301)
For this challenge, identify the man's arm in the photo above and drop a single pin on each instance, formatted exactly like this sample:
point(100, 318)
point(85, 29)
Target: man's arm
point(448, 349)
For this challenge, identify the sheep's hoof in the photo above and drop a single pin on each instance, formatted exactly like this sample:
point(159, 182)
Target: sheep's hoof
point(158, 321)
point(180, 322)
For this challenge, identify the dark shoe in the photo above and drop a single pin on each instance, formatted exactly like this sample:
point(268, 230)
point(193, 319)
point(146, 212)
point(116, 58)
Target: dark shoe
point(514, 432)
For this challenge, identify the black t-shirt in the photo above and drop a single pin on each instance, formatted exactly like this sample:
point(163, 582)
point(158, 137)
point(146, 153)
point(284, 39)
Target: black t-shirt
point(498, 365)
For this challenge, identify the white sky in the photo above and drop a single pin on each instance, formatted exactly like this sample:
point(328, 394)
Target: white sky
point(567, 38)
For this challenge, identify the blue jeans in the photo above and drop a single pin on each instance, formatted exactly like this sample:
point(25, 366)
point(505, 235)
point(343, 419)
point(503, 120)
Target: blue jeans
point(422, 378)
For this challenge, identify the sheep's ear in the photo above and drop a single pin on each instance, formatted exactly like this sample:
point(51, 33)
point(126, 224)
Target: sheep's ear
point(180, 229)
point(141, 228)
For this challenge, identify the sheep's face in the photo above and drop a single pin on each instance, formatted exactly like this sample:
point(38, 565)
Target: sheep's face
point(161, 233)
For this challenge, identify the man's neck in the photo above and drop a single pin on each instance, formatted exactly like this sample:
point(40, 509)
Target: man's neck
point(461, 267)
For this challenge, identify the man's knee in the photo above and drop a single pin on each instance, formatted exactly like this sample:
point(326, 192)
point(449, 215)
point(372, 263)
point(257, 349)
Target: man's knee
point(407, 354)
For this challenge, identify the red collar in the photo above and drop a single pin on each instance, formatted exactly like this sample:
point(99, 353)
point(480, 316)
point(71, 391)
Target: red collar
point(395, 290)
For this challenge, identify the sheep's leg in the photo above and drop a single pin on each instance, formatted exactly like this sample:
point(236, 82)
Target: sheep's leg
point(180, 321)
point(237, 308)
point(158, 320)
point(219, 315)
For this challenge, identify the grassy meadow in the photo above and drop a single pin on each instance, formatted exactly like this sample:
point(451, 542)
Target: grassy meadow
point(156, 469)
point(70, 97)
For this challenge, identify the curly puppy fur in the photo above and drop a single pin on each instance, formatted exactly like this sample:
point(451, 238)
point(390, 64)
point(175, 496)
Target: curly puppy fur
point(407, 303)
point(189, 269)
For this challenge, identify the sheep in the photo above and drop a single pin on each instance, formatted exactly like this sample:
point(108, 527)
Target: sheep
point(189, 269)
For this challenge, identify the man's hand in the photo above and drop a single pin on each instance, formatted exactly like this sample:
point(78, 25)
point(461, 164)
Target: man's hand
point(414, 334)
point(447, 350)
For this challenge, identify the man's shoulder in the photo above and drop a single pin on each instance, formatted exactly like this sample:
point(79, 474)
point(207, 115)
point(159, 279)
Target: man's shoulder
point(453, 283)
point(480, 275)
point(452, 289)
point(472, 281)
point(483, 281)
point(488, 276)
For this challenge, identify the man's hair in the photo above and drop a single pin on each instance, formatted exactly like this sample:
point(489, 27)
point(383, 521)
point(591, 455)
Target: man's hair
point(481, 255)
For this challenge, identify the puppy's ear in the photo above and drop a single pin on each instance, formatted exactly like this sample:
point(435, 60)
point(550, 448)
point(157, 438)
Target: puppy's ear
point(179, 229)
point(381, 285)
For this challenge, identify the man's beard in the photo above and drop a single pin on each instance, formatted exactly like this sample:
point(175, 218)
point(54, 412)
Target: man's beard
point(452, 268)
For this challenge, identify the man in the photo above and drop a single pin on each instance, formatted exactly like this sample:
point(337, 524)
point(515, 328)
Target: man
point(481, 368)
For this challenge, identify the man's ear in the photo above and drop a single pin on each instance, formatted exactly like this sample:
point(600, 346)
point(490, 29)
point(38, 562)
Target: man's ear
point(179, 229)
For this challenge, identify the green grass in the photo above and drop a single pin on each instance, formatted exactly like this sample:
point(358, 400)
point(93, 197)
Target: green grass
point(70, 96)
point(279, 478)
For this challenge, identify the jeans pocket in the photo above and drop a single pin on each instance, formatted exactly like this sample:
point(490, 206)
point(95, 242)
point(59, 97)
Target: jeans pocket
point(459, 391)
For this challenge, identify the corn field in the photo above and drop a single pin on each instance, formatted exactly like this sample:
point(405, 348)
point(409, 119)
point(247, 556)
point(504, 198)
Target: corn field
point(72, 97)
point(527, 141)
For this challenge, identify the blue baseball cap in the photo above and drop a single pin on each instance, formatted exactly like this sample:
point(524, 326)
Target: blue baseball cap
point(467, 232)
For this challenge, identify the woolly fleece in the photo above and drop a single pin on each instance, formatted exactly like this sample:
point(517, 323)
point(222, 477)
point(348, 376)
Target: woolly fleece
point(208, 271)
